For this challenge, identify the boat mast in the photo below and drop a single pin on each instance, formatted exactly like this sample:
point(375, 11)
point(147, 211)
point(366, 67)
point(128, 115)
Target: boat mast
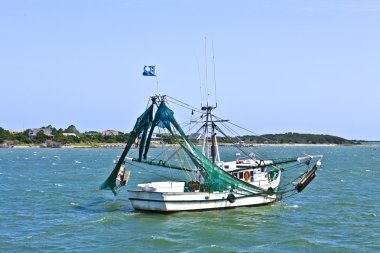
point(205, 133)
point(209, 127)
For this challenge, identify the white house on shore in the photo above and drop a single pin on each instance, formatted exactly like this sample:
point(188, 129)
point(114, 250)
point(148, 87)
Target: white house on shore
point(70, 134)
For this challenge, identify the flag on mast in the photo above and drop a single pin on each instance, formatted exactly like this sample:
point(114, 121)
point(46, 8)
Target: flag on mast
point(149, 71)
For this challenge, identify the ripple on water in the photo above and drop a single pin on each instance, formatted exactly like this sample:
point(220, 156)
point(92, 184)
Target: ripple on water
point(103, 220)
point(346, 204)
point(76, 205)
point(291, 206)
point(373, 215)
point(300, 244)
point(163, 240)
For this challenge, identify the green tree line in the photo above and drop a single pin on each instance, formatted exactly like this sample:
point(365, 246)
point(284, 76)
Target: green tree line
point(94, 137)
point(295, 138)
point(58, 135)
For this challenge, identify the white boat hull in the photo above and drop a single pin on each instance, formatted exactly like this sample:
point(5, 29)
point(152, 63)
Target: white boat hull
point(192, 201)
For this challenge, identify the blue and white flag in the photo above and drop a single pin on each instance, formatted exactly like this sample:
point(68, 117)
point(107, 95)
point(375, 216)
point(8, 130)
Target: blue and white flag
point(149, 71)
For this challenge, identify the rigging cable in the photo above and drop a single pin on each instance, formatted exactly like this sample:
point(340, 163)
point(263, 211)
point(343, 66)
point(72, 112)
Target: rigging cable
point(145, 168)
point(183, 104)
point(256, 134)
point(239, 147)
point(261, 156)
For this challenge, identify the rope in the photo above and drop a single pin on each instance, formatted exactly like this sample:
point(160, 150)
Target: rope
point(286, 197)
point(145, 168)
point(181, 162)
point(185, 105)
point(236, 146)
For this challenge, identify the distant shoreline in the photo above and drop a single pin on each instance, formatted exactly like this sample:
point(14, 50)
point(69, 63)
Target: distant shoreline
point(121, 146)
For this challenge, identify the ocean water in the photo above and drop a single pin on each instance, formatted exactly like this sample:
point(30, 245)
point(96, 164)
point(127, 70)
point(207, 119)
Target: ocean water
point(50, 201)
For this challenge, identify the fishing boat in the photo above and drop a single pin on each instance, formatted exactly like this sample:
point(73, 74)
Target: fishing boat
point(197, 177)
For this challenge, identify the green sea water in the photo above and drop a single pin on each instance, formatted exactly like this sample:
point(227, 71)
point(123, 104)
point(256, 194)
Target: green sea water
point(50, 202)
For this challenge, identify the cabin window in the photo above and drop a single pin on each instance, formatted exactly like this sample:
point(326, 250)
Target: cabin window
point(234, 174)
point(251, 173)
point(241, 174)
point(226, 166)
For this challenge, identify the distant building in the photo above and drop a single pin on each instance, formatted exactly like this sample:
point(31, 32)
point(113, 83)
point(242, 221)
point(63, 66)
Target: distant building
point(155, 138)
point(196, 137)
point(241, 143)
point(70, 134)
point(110, 133)
point(44, 130)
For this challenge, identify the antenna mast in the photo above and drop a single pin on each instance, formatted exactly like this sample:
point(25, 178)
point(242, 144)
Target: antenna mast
point(206, 69)
point(213, 61)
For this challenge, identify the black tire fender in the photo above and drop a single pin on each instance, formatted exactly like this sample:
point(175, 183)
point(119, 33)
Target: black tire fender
point(231, 198)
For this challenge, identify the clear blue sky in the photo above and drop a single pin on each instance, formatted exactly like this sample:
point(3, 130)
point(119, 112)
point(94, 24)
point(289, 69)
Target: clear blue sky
point(281, 66)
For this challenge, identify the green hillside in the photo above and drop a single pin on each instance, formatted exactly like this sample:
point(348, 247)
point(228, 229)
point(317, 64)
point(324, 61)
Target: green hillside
point(297, 138)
